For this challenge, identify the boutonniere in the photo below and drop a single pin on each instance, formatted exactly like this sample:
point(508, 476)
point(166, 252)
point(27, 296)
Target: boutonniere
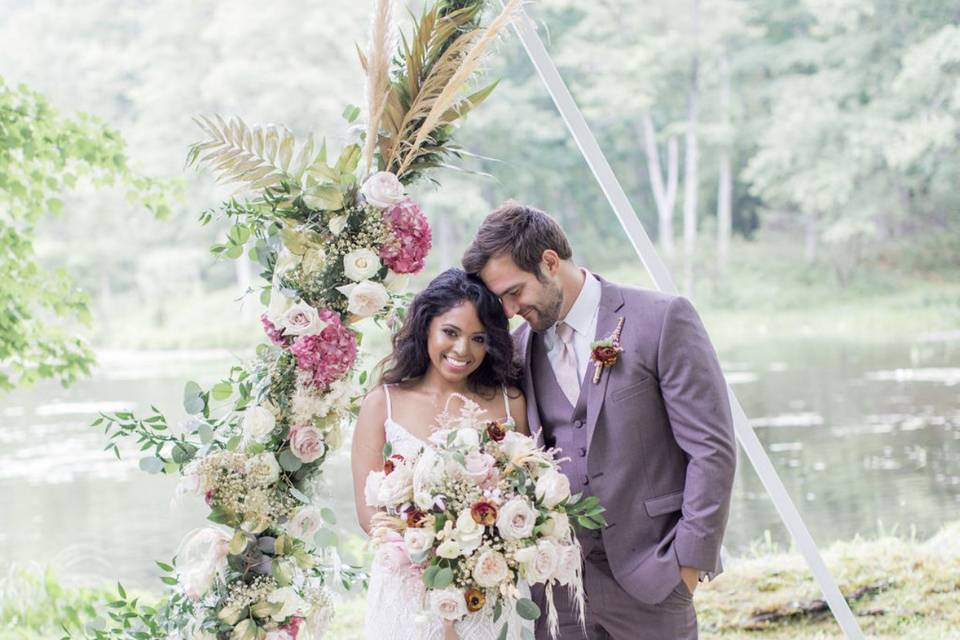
point(606, 352)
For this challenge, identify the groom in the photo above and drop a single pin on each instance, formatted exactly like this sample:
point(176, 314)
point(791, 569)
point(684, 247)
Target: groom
point(652, 437)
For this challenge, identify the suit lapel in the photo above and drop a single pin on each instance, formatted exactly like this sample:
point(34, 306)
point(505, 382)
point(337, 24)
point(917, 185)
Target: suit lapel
point(611, 301)
point(533, 412)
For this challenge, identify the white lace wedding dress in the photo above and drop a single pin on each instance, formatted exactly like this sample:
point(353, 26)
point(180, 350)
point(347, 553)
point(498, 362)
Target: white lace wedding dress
point(395, 598)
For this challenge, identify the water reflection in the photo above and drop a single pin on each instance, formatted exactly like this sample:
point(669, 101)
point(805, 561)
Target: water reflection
point(859, 433)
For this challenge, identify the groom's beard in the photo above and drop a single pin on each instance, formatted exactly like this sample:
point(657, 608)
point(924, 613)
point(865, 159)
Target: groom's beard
point(545, 313)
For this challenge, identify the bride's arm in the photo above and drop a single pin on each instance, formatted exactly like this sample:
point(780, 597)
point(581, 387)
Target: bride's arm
point(366, 454)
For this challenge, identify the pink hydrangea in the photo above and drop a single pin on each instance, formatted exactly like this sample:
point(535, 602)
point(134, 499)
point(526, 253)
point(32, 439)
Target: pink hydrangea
point(328, 355)
point(275, 334)
point(410, 237)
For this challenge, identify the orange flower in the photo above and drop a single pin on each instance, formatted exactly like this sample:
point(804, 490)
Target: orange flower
point(484, 512)
point(496, 431)
point(475, 599)
point(415, 519)
point(391, 463)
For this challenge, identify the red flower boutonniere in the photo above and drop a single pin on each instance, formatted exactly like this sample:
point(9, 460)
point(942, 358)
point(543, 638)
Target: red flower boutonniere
point(606, 352)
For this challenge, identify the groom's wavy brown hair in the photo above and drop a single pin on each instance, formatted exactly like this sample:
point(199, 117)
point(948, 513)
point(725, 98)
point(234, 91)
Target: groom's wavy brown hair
point(519, 231)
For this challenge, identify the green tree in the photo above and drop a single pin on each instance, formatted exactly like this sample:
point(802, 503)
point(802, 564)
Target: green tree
point(44, 157)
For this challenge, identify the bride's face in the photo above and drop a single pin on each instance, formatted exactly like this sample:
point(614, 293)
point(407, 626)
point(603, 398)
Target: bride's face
point(457, 342)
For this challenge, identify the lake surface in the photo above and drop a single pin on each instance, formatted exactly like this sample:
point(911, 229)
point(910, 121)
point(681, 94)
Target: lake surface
point(861, 434)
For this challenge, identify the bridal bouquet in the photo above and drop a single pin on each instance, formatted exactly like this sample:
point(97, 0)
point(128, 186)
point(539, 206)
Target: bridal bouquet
point(480, 511)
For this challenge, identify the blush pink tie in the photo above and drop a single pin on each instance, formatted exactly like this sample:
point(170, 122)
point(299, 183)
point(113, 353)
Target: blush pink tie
point(567, 374)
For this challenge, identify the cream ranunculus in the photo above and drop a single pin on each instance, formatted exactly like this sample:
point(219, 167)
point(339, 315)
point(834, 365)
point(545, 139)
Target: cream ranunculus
point(417, 541)
point(491, 569)
point(449, 549)
point(540, 562)
point(202, 555)
point(557, 526)
point(361, 264)
point(448, 603)
point(371, 490)
point(516, 519)
point(552, 488)
point(477, 466)
point(262, 469)
point(289, 600)
point(468, 533)
point(365, 298)
point(301, 319)
point(382, 190)
point(516, 445)
point(396, 488)
point(305, 522)
point(258, 422)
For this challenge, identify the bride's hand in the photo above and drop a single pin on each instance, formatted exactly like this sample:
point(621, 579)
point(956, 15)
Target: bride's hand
point(449, 631)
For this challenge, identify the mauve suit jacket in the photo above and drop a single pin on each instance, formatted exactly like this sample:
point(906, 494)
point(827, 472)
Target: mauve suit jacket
point(661, 449)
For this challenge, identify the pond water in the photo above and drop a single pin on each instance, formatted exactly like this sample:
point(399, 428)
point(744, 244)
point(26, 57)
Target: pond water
point(865, 436)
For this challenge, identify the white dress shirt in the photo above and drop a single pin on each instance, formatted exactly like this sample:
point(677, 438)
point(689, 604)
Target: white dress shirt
point(582, 318)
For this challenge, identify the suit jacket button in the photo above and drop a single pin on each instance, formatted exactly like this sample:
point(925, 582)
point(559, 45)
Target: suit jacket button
point(583, 452)
point(578, 424)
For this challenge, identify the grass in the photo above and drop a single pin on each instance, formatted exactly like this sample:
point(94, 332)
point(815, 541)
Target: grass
point(912, 590)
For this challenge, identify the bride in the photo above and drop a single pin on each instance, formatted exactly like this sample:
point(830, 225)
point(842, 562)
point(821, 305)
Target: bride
point(454, 345)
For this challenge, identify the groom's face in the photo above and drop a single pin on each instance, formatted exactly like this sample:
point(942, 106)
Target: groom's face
point(537, 300)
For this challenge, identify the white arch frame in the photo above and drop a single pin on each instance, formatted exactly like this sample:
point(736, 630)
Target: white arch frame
point(631, 224)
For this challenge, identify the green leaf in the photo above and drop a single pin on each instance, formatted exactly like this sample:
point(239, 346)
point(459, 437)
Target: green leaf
point(527, 609)
point(233, 443)
point(151, 465)
point(430, 574)
point(168, 580)
point(222, 391)
point(387, 450)
point(444, 578)
point(328, 515)
point(192, 398)
point(503, 631)
point(498, 610)
point(183, 452)
point(299, 495)
point(527, 634)
point(164, 566)
point(121, 591)
point(351, 112)
point(205, 431)
point(289, 462)
point(326, 538)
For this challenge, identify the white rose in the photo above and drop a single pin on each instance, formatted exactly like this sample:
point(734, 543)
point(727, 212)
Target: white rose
point(361, 264)
point(258, 422)
point(365, 298)
point(289, 600)
point(301, 319)
point(337, 224)
point(305, 522)
point(448, 549)
point(541, 564)
point(448, 603)
point(552, 488)
point(396, 282)
point(477, 466)
point(468, 533)
point(396, 488)
point(307, 444)
point(417, 540)
point(202, 555)
point(371, 489)
point(516, 445)
point(568, 565)
point(516, 519)
point(279, 304)
point(382, 189)
point(467, 437)
point(557, 526)
point(491, 569)
point(263, 469)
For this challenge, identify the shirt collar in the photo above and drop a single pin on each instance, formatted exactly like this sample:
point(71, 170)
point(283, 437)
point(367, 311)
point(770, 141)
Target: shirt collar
point(580, 316)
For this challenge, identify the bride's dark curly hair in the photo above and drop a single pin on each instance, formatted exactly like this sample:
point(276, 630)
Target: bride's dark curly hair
point(410, 359)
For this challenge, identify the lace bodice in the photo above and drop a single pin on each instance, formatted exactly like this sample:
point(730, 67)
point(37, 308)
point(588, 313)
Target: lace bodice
point(395, 599)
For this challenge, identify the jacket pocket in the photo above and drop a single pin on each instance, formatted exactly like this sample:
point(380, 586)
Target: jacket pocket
point(667, 503)
point(632, 390)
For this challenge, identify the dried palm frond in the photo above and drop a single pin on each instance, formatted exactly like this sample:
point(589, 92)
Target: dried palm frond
point(376, 64)
point(441, 111)
point(260, 156)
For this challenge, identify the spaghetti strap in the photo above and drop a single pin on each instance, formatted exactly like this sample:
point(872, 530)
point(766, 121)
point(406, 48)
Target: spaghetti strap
point(386, 390)
point(506, 402)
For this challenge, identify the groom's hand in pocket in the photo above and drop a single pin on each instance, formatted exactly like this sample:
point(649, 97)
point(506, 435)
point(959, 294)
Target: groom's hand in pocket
point(690, 577)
